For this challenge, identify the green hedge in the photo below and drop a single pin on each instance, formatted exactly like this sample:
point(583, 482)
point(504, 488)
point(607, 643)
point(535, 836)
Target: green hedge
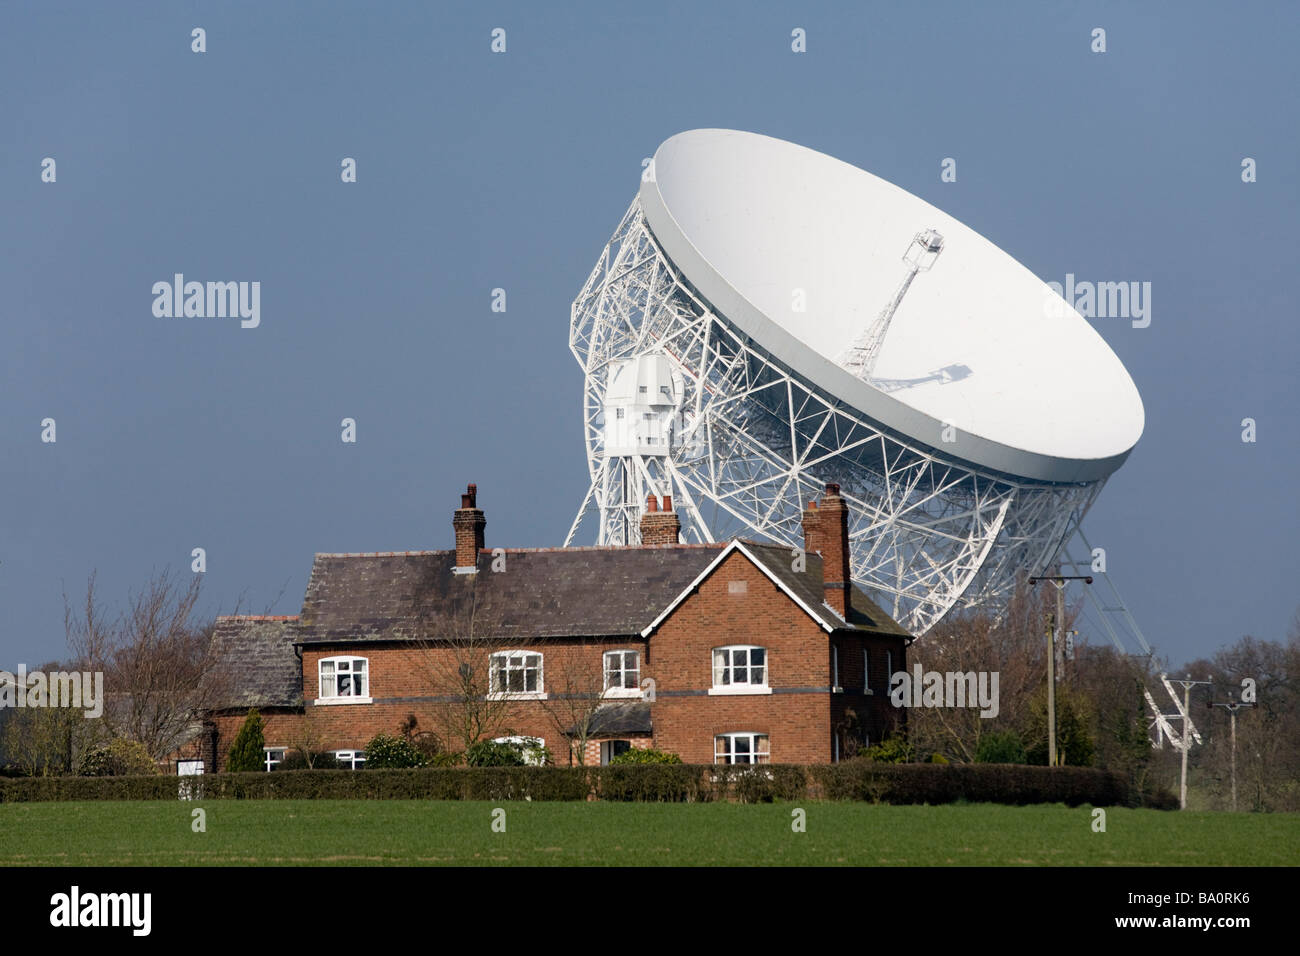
point(850, 780)
point(974, 783)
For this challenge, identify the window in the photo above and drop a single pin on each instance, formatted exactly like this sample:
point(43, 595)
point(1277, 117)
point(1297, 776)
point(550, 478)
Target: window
point(533, 748)
point(866, 671)
point(344, 680)
point(889, 670)
point(609, 749)
point(741, 748)
point(740, 669)
point(622, 674)
point(649, 416)
point(273, 757)
point(516, 673)
point(618, 413)
point(835, 669)
point(350, 759)
point(663, 390)
point(641, 389)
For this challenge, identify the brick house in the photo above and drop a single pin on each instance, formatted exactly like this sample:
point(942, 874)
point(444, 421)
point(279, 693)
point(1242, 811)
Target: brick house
point(729, 652)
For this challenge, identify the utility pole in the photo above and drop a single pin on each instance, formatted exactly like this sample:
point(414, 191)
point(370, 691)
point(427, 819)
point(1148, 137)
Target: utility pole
point(1187, 684)
point(1059, 580)
point(1232, 706)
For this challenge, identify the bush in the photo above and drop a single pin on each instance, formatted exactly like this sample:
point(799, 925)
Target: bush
point(647, 755)
point(1001, 747)
point(446, 758)
point(297, 760)
point(386, 752)
point(248, 752)
point(118, 758)
point(491, 753)
point(893, 749)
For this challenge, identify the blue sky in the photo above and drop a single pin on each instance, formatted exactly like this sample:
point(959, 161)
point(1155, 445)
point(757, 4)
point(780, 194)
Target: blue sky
point(478, 171)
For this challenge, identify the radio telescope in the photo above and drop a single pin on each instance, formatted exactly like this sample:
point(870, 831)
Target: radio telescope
point(767, 319)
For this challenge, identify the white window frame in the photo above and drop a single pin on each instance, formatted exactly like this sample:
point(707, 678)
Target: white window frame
point(622, 670)
point(353, 758)
point(530, 744)
point(752, 739)
point(835, 670)
point(335, 697)
point(731, 685)
point(866, 671)
point(539, 693)
point(271, 762)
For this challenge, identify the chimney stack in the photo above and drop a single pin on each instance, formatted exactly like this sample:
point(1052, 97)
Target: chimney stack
point(469, 524)
point(660, 527)
point(826, 530)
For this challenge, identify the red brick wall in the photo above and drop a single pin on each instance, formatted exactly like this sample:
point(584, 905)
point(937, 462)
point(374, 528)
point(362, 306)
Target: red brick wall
point(681, 659)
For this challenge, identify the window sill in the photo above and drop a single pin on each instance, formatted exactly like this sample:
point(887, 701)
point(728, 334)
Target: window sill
point(623, 693)
point(734, 690)
point(523, 695)
point(332, 701)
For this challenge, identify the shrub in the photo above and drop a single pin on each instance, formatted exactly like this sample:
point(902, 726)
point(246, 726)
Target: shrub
point(297, 760)
point(648, 755)
point(248, 753)
point(893, 749)
point(386, 752)
point(1001, 747)
point(491, 753)
point(118, 758)
point(446, 758)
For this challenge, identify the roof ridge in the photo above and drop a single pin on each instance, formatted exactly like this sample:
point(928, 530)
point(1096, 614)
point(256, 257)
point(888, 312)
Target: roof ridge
point(257, 617)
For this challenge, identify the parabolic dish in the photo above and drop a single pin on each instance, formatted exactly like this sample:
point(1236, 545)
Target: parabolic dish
point(761, 227)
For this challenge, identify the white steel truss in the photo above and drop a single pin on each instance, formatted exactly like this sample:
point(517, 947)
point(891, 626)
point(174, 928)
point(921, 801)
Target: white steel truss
point(928, 532)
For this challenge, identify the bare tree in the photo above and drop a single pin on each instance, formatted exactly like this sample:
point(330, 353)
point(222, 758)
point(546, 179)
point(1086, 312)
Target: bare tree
point(457, 664)
point(158, 662)
point(1013, 644)
point(575, 691)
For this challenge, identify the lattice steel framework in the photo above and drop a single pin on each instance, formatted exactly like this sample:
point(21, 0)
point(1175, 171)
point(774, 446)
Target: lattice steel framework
point(928, 533)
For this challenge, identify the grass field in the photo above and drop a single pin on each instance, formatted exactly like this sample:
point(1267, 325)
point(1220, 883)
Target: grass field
point(373, 833)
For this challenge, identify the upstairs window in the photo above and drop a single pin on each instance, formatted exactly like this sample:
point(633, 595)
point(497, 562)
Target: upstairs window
point(344, 677)
point(516, 672)
point(741, 666)
point(622, 673)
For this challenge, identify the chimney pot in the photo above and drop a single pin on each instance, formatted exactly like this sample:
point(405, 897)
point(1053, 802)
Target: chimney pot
point(668, 502)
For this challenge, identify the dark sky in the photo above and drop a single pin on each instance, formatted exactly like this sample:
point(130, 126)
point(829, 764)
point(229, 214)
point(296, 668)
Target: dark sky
point(479, 170)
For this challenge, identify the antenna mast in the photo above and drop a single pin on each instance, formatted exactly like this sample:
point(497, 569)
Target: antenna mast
point(860, 357)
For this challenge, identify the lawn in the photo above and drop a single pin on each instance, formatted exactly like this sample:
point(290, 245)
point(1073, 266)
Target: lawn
point(371, 833)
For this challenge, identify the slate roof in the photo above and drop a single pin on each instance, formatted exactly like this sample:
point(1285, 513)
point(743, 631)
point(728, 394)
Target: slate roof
point(623, 717)
point(259, 667)
point(863, 612)
point(550, 592)
point(543, 593)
